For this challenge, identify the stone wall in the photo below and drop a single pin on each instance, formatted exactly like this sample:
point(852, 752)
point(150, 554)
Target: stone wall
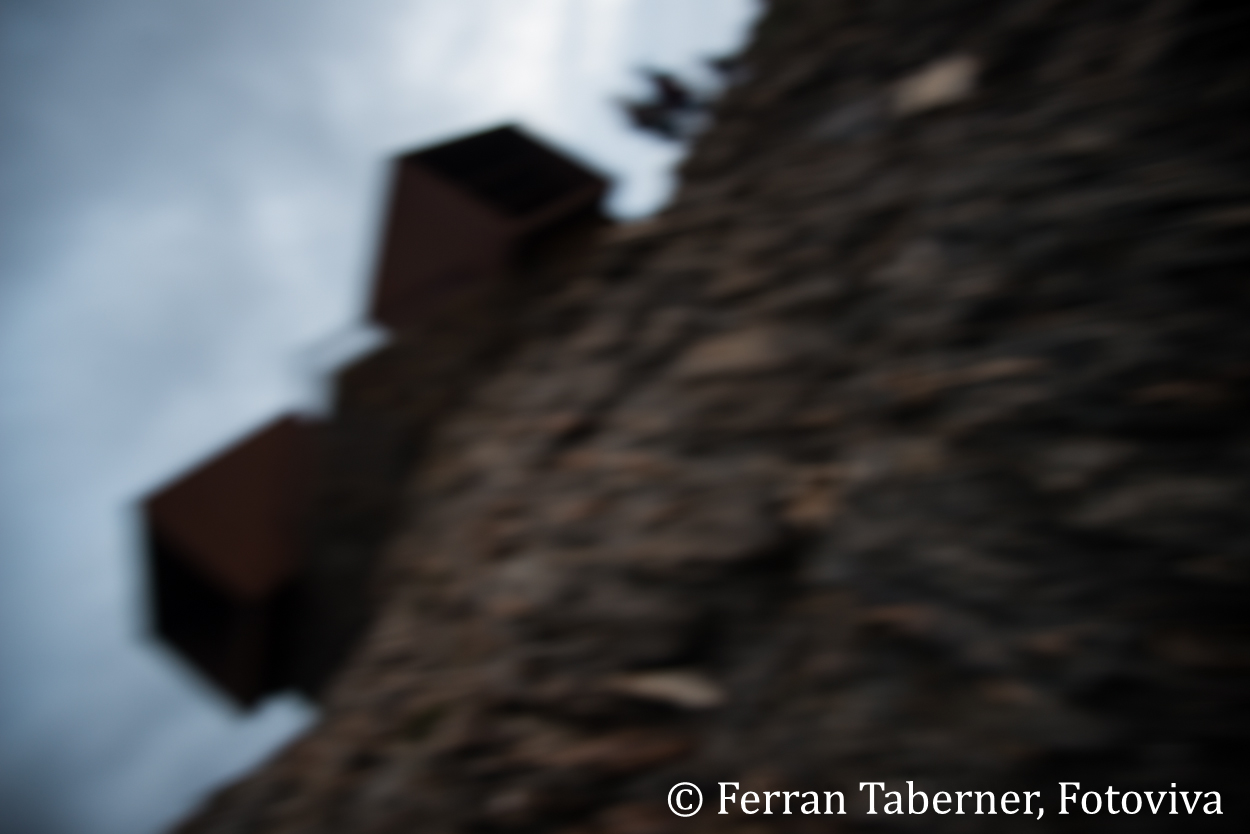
point(909, 443)
point(387, 407)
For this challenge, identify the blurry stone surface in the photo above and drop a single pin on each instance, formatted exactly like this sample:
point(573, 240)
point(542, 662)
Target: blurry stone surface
point(920, 439)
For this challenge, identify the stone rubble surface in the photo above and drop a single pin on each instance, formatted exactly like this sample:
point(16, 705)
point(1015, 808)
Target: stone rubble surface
point(908, 443)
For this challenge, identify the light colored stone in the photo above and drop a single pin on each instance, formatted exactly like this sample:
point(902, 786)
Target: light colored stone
point(748, 351)
point(943, 82)
point(685, 689)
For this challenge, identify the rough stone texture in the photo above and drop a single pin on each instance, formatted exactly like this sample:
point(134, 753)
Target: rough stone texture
point(911, 442)
point(387, 408)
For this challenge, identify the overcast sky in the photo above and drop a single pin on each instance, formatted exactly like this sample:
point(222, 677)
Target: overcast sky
point(189, 196)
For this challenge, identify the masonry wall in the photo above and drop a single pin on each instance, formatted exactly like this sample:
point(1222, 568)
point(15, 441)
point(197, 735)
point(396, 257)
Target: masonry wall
point(910, 442)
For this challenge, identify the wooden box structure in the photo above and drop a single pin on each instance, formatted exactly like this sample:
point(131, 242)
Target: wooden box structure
point(459, 212)
point(224, 547)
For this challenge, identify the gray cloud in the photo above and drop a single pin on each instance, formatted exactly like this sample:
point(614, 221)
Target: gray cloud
point(189, 193)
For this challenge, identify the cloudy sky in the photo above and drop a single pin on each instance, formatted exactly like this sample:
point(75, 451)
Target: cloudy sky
point(189, 195)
